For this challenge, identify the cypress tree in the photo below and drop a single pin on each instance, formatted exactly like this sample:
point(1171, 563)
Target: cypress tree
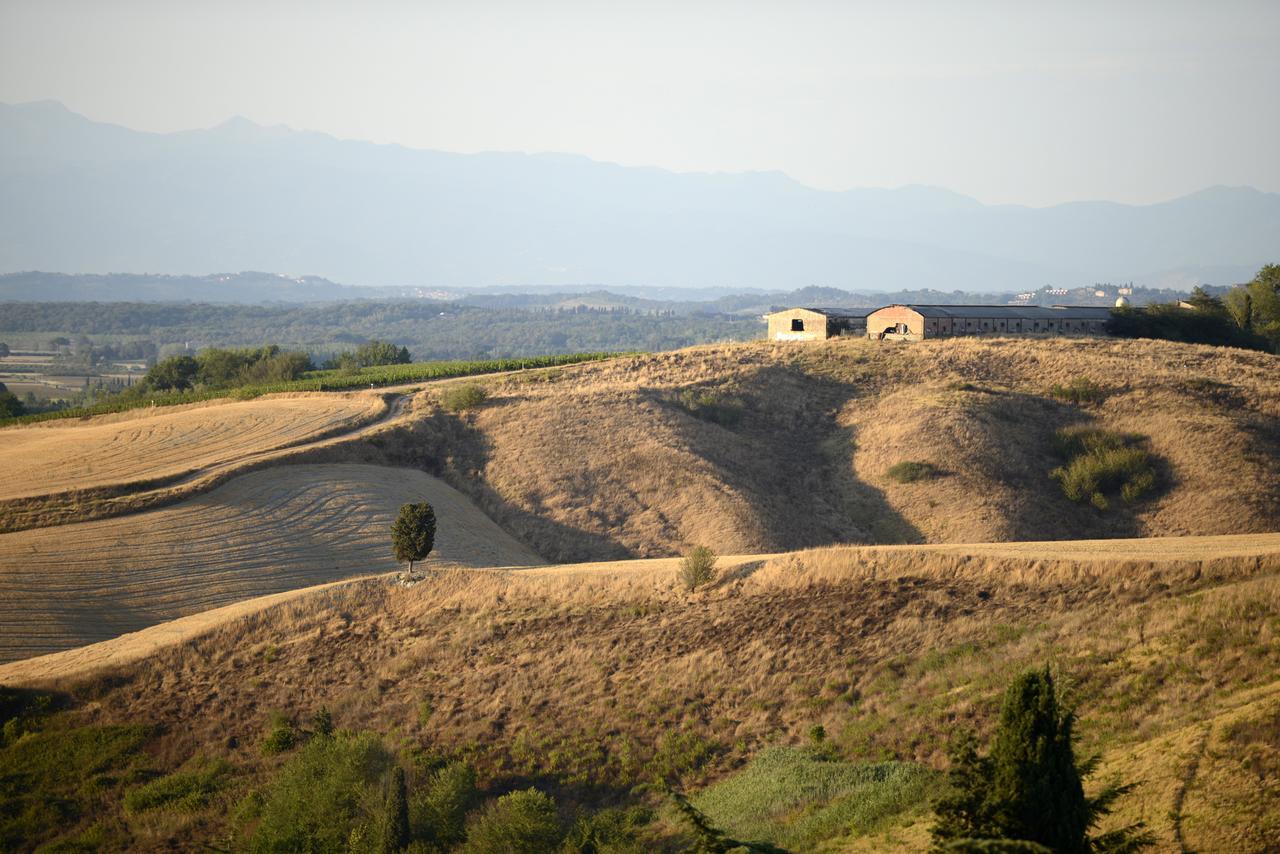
point(1028, 789)
point(396, 833)
point(1036, 793)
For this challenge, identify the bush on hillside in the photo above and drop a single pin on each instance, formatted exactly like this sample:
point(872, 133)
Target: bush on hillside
point(281, 736)
point(321, 795)
point(1079, 390)
point(1029, 788)
point(460, 398)
point(520, 822)
point(725, 411)
point(910, 472)
point(438, 810)
point(182, 791)
point(698, 567)
point(1101, 464)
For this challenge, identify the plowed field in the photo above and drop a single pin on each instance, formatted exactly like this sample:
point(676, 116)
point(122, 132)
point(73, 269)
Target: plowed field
point(262, 533)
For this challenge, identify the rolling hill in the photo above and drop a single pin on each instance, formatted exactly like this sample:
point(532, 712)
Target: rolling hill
point(807, 696)
point(763, 448)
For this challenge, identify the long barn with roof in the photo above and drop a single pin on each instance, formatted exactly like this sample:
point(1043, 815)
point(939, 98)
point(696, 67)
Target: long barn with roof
point(914, 322)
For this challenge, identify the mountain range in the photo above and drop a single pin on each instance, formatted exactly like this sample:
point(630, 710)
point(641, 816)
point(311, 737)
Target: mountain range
point(82, 196)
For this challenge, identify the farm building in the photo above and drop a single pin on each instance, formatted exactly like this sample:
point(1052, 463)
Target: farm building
point(815, 324)
point(914, 322)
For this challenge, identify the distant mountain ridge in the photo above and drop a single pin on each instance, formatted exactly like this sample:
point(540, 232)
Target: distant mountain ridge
point(83, 196)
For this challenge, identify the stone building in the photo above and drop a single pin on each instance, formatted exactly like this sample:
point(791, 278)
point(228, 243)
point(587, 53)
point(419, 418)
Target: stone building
point(815, 324)
point(915, 322)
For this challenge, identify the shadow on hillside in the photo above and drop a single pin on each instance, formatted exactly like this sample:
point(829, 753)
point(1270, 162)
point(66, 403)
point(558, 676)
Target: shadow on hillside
point(1012, 469)
point(788, 455)
point(449, 447)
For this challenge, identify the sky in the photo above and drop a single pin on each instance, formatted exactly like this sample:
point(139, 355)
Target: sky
point(1009, 102)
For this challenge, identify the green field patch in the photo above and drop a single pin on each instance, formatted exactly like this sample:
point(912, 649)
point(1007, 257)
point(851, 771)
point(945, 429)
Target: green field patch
point(792, 798)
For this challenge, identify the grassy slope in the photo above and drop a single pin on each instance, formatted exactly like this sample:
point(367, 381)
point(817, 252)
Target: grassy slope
point(592, 679)
point(603, 462)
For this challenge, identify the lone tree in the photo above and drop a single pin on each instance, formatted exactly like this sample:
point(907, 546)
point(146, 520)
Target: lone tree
point(1029, 788)
point(414, 533)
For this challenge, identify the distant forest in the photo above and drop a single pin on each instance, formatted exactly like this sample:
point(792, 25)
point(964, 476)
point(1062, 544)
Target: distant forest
point(431, 330)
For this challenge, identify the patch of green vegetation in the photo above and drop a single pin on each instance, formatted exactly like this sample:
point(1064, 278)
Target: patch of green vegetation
point(1080, 390)
point(698, 568)
point(319, 795)
point(51, 779)
point(460, 398)
point(183, 791)
point(281, 736)
point(1101, 464)
point(795, 799)
point(910, 472)
point(725, 410)
point(682, 752)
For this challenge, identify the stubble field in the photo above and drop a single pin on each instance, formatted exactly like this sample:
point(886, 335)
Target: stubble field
point(264, 532)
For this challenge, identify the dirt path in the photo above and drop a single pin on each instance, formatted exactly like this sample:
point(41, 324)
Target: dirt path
point(260, 533)
point(614, 576)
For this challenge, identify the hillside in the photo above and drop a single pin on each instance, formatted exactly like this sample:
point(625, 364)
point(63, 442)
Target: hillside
point(589, 679)
point(88, 196)
point(762, 448)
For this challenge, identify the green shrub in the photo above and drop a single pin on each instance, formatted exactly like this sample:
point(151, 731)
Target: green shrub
point(910, 472)
point(182, 791)
point(698, 567)
point(725, 411)
point(682, 752)
point(1079, 390)
point(322, 721)
point(438, 810)
point(613, 830)
point(460, 398)
point(281, 736)
point(1101, 464)
point(322, 794)
point(523, 821)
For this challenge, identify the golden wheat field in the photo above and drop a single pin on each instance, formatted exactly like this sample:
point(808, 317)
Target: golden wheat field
point(143, 445)
point(263, 532)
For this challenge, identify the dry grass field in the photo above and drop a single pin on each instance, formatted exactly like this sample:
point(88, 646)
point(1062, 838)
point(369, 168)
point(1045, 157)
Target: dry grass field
point(260, 533)
point(142, 445)
point(609, 460)
point(599, 676)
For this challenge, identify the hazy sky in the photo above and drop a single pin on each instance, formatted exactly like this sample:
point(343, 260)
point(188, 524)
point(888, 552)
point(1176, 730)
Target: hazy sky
point(1033, 103)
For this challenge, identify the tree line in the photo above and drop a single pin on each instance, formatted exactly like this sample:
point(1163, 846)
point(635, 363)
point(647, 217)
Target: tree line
point(1246, 316)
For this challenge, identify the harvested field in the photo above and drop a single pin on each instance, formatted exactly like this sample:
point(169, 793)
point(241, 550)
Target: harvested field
point(264, 532)
point(58, 456)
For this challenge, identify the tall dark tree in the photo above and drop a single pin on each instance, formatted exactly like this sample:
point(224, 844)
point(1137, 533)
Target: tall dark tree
point(413, 534)
point(1029, 787)
point(395, 834)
